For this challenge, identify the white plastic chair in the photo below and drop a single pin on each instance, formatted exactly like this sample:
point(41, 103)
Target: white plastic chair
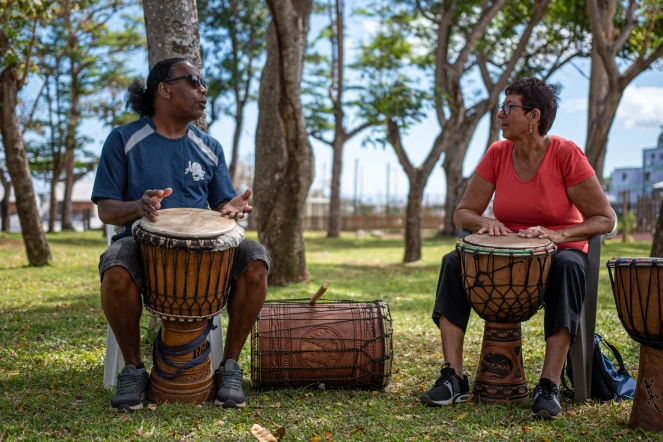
point(114, 360)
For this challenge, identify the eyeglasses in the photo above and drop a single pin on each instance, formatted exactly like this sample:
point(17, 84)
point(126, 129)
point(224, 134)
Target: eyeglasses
point(194, 80)
point(506, 108)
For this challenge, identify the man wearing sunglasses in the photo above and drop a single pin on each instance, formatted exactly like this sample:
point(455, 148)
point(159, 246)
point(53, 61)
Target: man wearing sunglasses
point(160, 162)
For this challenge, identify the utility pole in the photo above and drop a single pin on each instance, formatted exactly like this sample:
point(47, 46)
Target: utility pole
point(355, 202)
point(388, 189)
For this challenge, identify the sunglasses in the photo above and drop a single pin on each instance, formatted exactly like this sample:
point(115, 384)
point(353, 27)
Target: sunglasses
point(194, 80)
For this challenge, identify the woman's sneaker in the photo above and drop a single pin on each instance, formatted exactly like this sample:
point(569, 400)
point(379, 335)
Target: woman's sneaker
point(546, 400)
point(448, 389)
point(131, 386)
point(228, 380)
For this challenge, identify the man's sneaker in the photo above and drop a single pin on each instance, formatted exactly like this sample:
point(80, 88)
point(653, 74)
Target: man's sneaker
point(546, 400)
point(131, 388)
point(228, 381)
point(448, 389)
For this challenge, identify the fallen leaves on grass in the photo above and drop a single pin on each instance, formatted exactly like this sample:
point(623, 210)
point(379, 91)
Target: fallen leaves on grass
point(152, 407)
point(262, 434)
point(624, 432)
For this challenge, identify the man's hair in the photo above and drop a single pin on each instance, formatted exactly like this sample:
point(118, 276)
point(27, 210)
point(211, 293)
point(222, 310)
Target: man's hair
point(540, 95)
point(141, 97)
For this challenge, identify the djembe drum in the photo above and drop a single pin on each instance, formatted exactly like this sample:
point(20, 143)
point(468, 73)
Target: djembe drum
point(636, 286)
point(186, 259)
point(504, 278)
point(336, 343)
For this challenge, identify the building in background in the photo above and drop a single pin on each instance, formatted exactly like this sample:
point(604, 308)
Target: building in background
point(639, 180)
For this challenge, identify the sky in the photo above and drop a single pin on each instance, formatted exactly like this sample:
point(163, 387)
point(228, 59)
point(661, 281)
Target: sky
point(637, 126)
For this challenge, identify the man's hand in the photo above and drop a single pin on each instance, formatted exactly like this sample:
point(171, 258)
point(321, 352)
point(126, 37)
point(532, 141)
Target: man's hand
point(556, 236)
point(493, 228)
point(238, 206)
point(150, 203)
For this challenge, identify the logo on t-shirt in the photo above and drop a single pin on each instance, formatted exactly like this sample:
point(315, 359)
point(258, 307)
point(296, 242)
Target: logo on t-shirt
point(196, 171)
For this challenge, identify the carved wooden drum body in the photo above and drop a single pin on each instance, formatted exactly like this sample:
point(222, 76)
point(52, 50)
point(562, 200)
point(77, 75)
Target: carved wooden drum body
point(636, 286)
point(504, 279)
point(335, 343)
point(186, 259)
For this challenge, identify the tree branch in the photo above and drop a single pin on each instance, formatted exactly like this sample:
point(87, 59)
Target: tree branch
point(558, 64)
point(363, 126)
point(28, 124)
point(423, 12)
point(631, 23)
point(639, 66)
point(522, 44)
point(321, 138)
point(394, 138)
point(605, 51)
point(28, 55)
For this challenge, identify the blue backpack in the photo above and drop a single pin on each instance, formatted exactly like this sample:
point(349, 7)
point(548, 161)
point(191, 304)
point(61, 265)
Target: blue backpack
point(608, 382)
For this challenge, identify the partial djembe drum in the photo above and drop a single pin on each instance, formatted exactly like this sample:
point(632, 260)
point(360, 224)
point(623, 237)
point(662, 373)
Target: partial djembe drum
point(330, 343)
point(504, 279)
point(186, 259)
point(636, 286)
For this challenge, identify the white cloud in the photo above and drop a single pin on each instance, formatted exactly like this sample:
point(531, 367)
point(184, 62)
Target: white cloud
point(641, 107)
point(371, 26)
point(573, 105)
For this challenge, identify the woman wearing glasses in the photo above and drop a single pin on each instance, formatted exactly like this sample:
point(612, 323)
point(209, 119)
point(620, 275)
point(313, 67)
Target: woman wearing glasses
point(544, 188)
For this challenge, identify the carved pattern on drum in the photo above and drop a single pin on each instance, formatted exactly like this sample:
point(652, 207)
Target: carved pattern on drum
point(651, 399)
point(336, 343)
point(496, 365)
point(321, 346)
point(501, 392)
point(504, 335)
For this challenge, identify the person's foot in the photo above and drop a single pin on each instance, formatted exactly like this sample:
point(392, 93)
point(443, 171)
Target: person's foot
point(546, 400)
point(448, 389)
point(228, 381)
point(131, 387)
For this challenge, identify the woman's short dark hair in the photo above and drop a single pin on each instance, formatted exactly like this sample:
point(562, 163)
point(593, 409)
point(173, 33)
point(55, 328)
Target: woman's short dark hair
point(540, 95)
point(140, 97)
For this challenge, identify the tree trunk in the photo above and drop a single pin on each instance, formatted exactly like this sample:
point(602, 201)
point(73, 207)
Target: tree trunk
point(36, 246)
point(239, 123)
point(413, 218)
point(602, 107)
point(53, 205)
point(172, 31)
point(284, 158)
point(334, 225)
point(69, 163)
point(453, 167)
point(4, 204)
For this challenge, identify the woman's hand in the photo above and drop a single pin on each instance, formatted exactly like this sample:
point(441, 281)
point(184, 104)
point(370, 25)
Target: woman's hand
point(556, 236)
point(493, 228)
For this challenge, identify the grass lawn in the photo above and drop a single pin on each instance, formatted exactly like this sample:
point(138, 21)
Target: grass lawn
point(53, 336)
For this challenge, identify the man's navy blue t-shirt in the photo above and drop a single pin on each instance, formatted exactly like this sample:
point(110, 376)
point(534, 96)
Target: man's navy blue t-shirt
point(135, 158)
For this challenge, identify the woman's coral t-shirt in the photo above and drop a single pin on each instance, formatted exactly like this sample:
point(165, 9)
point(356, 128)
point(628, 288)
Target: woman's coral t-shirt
point(542, 200)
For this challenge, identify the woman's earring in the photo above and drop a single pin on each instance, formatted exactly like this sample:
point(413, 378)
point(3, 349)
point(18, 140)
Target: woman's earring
point(530, 129)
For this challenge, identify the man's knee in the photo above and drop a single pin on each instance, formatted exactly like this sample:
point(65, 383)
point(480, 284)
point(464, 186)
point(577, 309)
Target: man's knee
point(118, 280)
point(256, 272)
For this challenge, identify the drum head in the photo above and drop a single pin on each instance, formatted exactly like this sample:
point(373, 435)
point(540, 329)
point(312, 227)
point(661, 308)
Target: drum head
point(509, 242)
point(189, 223)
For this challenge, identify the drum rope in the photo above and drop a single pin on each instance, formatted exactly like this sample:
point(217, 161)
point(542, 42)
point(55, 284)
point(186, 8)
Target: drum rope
point(496, 302)
point(162, 352)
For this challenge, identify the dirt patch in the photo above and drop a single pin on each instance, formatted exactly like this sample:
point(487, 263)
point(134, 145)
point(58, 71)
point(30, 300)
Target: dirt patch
point(6, 243)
